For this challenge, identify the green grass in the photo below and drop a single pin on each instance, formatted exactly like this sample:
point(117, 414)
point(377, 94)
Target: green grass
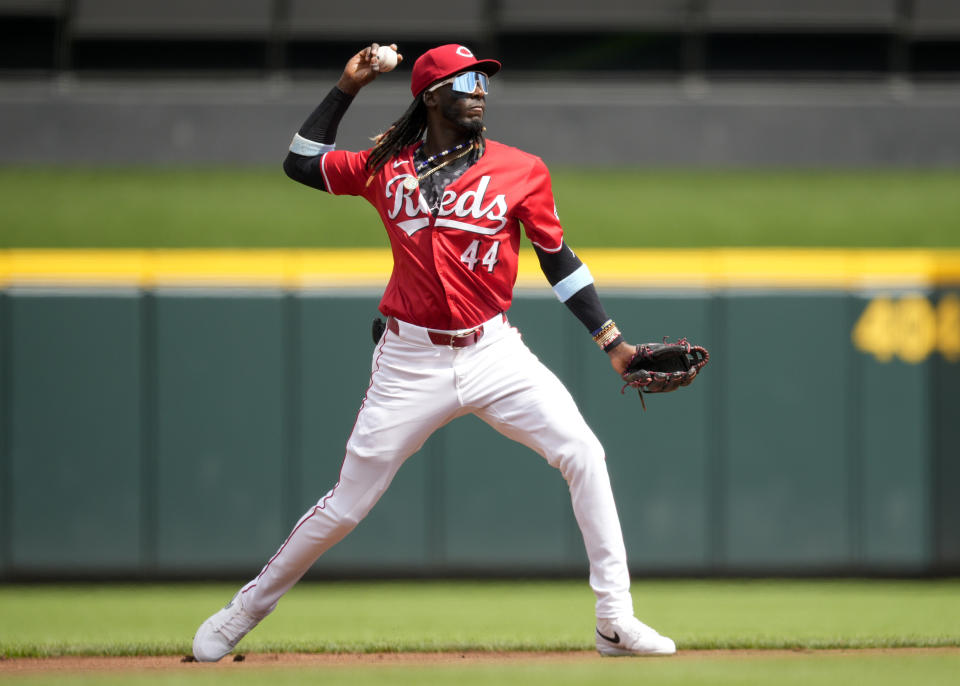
point(448, 616)
point(60, 207)
point(42, 620)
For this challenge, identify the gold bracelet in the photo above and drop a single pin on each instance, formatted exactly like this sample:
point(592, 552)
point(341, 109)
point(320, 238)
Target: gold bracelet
point(606, 340)
point(607, 335)
point(607, 325)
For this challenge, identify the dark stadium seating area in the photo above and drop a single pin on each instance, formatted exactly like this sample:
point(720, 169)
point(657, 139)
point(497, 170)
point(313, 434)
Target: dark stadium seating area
point(859, 39)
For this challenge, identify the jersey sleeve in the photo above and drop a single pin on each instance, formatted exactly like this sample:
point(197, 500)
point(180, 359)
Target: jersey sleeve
point(345, 173)
point(538, 211)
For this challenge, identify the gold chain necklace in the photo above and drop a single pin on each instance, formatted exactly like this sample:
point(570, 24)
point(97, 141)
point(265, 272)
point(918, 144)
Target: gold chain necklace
point(411, 183)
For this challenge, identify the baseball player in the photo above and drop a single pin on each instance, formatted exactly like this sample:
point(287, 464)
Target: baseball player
point(455, 206)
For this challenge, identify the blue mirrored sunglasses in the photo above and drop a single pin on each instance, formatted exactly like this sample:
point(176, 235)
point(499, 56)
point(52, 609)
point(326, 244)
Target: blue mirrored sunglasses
point(466, 82)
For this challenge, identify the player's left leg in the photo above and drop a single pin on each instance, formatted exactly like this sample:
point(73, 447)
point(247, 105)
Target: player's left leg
point(522, 399)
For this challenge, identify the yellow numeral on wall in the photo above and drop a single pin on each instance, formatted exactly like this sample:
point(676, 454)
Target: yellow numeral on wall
point(875, 331)
point(910, 328)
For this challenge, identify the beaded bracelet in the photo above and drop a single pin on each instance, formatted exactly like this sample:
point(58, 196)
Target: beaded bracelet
point(607, 325)
point(614, 343)
point(606, 335)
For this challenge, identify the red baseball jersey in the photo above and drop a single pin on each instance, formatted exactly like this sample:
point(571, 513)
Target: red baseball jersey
point(454, 266)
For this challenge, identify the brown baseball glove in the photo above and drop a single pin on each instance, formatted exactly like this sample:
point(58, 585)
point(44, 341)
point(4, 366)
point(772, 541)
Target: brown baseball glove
point(664, 367)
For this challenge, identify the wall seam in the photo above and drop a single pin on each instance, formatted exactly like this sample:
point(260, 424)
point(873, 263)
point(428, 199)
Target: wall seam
point(717, 460)
point(6, 466)
point(293, 408)
point(854, 445)
point(149, 417)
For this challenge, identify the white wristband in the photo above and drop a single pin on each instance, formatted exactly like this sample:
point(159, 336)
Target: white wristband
point(308, 148)
point(573, 282)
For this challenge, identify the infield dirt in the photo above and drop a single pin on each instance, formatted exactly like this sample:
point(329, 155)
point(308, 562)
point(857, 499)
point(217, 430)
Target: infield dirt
point(266, 660)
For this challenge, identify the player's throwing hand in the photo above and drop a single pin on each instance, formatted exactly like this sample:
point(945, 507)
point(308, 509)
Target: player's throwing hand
point(362, 68)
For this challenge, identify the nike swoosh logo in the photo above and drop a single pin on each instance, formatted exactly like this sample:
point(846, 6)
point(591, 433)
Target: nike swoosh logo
point(615, 639)
point(398, 163)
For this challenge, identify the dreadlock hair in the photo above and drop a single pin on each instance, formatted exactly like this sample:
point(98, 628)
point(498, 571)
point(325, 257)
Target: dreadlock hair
point(406, 130)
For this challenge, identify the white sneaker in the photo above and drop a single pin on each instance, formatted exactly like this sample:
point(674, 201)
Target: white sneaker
point(222, 632)
point(630, 636)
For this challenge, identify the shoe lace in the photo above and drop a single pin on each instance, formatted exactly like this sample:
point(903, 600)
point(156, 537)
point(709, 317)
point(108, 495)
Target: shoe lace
point(237, 624)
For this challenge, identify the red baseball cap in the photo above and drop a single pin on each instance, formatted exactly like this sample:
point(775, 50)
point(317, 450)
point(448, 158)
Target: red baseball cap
point(446, 60)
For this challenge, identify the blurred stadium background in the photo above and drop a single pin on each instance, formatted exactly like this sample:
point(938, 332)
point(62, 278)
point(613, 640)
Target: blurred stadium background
point(150, 430)
point(720, 82)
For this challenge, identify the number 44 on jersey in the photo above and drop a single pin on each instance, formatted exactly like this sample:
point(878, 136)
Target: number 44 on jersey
point(471, 256)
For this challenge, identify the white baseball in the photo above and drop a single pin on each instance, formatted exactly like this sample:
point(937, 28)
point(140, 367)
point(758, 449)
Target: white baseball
point(387, 58)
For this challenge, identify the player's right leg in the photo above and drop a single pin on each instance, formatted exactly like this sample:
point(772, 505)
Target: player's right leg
point(411, 394)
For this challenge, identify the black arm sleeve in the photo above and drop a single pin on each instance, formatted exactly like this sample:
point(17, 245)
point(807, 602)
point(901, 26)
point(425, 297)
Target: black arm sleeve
point(320, 127)
point(585, 303)
point(558, 265)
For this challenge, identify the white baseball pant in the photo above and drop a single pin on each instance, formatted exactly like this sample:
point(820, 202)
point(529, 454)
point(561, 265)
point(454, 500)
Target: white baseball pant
point(417, 387)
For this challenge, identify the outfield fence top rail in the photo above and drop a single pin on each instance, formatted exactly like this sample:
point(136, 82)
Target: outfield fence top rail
point(710, 268)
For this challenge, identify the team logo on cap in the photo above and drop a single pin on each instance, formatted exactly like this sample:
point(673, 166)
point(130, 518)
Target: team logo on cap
point(464, 52)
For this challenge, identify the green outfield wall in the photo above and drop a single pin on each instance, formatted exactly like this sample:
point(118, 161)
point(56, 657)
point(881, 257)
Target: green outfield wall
point(161, 431)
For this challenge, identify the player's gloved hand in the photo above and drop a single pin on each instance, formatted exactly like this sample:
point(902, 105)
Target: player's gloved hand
point(621, 356)
point(361, 69)
point(663, 367)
